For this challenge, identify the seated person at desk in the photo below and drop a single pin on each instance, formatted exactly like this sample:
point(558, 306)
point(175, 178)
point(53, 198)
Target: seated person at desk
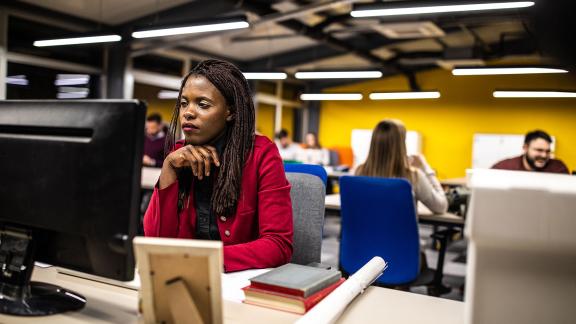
point(154, 142)
point(288, 151)
point(536, 156)
point(387, 158)
point(222, 182)
point(312, 152)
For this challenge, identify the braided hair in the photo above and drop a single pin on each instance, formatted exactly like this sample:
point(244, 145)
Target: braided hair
point(239, 135)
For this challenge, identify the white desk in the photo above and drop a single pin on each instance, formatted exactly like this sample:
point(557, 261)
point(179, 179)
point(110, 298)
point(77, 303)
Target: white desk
point(111, 304)
point(149, 177)
point(332, 202)
point(454, 182)
point(338, 174)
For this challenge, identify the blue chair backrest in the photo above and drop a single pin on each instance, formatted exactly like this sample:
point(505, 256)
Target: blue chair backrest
point(379, 219)
point(312, 169)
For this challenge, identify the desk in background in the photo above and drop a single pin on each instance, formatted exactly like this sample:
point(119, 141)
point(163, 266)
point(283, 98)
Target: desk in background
point(334, 177)
point(454, 182)
point(332, 204)
point(112, 304)
point(149, 177)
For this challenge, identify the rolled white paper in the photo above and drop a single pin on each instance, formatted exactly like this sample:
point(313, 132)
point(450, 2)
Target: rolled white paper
point(330, 308)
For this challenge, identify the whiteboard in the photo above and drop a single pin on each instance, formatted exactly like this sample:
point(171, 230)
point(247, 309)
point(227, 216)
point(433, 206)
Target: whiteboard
point(361, 138)
point(488, 149)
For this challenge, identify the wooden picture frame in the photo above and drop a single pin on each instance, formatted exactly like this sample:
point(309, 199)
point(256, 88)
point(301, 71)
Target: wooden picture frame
point(180, 280)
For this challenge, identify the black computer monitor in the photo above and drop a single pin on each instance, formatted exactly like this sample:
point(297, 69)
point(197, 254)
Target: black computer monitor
point(69, 195)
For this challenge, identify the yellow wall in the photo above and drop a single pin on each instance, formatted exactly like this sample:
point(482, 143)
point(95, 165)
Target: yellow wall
point(466, 107)
point(265, 120)
point(164, 107)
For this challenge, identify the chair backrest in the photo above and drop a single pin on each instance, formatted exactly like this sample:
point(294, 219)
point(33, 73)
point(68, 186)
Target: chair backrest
point(379, 219)
point(307, 195)
point(313, 169)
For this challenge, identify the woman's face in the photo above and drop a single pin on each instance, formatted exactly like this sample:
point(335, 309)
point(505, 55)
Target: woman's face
point(203, 111)
point(311, 140)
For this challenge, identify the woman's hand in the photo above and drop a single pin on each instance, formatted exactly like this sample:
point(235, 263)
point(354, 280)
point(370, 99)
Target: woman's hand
point(419, 161)
point(198, 158)
point(148, 161)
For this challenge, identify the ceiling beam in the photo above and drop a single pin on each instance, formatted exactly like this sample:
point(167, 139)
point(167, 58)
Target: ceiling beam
point(295, 57)
point(190, 11)
point(305, 30)
point(366, 42)
point(206, 55)
point(272, 17)
point(52, 17)
point(51, 63)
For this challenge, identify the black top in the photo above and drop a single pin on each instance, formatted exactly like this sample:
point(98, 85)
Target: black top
point(206, 222)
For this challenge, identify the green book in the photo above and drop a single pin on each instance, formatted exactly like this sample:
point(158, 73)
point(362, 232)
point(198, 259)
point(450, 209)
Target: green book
point(295, 279)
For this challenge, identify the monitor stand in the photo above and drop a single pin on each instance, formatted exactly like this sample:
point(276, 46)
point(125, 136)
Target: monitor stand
point(18, 295)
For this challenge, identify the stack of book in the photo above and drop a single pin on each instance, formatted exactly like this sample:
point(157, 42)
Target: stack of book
point(292, 287)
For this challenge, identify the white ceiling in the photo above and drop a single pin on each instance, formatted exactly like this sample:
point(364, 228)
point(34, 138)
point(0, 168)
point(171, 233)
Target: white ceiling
point(347, 61)
point(238, 45)
point(107, 11)
point(253, 49)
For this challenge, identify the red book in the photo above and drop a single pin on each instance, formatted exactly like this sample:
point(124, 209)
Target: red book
point(286, 302)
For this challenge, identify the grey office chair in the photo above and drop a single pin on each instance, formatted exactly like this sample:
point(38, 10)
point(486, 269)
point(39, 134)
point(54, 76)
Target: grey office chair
point(307, 195)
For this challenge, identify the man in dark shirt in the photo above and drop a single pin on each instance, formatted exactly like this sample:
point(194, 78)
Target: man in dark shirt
point(536, 156)
point(154, 142)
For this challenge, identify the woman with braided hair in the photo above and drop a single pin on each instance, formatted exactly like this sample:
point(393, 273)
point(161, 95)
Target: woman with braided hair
point(222, 182)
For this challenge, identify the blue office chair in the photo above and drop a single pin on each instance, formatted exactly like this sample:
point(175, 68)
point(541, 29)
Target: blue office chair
point(312, 169)
point(379, 219)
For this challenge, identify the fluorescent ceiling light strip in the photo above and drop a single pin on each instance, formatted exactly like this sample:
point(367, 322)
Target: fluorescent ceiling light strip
point(404, 95)
point(168, 94)
point(17, 80)
point(331, 96)
point(73, 89)
point(339, 75)
point(190, 29)
point(78, 40)
point(440, 9)
point(503, 71)
point(71, 95)
point(265, 75)
point(66, 82)
point(71, 76)
point(22, 82)
point(71, 79)
point(533, 94)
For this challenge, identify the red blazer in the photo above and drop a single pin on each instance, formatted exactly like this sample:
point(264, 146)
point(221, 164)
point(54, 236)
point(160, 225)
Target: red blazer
point(259, 235)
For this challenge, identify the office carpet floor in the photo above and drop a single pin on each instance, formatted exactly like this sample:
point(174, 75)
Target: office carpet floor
point(454, 265)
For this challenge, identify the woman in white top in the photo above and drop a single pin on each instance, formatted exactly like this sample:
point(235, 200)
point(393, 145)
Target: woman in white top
point(312, 152)
point(387, 158)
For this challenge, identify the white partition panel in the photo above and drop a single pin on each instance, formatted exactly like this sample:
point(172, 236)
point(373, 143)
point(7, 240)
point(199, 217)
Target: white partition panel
point(488, 149)
point(522, 248)
point(360, 143)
